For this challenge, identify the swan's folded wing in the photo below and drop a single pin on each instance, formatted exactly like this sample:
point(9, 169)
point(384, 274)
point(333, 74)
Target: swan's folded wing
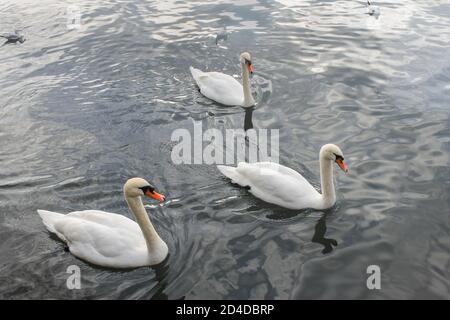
point(221, 87)
point(266, 170)
point(104, 218)
point(99, 243)
point(277, 184)
point(101, 226)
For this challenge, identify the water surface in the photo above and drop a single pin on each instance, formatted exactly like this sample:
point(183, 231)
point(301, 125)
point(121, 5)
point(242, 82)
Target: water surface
point(83, 110)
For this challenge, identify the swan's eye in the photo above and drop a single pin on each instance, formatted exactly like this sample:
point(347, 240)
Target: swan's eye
point(147, 189)
point(338, 157)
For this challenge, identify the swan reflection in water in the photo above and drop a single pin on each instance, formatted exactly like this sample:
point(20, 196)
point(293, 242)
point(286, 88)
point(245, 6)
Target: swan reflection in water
point(222, 35)
point(161, 272)
point(320, 229)
point(319, 235)
point(248, 124)
point(248, 119)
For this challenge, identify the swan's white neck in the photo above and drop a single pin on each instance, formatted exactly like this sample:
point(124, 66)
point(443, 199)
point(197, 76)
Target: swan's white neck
point(248, 98)
point(151, 236)
point(326, 180)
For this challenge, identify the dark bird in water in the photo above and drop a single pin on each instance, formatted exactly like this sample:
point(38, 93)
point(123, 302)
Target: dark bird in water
point(222, 35)
point(13, 38)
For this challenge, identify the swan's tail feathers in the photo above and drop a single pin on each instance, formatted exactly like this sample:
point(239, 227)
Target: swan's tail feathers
point(196, 73)
point(233, 174)
point(49, 219)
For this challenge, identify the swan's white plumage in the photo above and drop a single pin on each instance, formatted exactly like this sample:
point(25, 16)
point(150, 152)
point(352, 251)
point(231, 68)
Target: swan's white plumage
point(219, 87)
point(286, 187)
point(274, 183)
point(109, 239)
point(102, 238)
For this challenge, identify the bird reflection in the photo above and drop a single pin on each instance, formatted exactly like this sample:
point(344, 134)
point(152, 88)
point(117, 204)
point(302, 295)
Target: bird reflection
point(13, 38)
point(248, 125)
point(319, 235)
point(248, 120)
point(222, 35)
point(161, 271)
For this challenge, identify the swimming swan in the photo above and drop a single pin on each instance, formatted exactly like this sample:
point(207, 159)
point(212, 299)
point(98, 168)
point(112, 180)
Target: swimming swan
point(109, 239)
point(284, 186)
point(225, 89)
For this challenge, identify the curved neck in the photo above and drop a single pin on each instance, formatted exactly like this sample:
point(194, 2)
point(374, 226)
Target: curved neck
point(137, 208)
point(248, 98)
point(326, 180)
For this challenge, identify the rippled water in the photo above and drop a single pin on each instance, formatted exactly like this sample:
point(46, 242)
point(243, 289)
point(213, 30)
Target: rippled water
point(82, 110)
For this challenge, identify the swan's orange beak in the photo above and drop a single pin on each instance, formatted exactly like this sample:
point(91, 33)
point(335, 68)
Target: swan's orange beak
point(250, 68)
point(155, 195)
point(342, 165)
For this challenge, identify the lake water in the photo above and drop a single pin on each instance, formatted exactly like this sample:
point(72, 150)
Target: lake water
point(83, 109)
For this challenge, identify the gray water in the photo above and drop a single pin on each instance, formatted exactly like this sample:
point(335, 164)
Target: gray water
point(83, 110)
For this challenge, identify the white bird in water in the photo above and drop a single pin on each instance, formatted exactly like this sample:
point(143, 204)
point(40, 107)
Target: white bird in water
point(372, 10)
point(225, 89)
point(283, 186)
point(109, 239)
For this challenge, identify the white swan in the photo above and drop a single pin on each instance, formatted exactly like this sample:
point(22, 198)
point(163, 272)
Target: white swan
point(372, 10)
point(284, 186)
point(225, 89)
point(109, 239)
